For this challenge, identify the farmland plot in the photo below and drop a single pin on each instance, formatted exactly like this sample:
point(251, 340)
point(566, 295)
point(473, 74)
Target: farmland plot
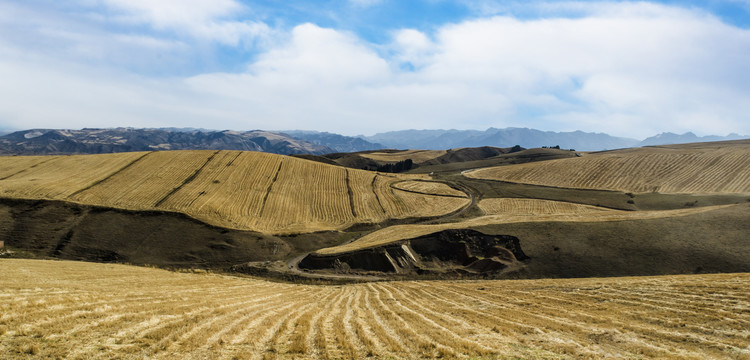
point(517, 206)
point(418, 156)
point(711, 168)
point(57, 177)
point(83, 310)
point(428, 187)
point(240, 190)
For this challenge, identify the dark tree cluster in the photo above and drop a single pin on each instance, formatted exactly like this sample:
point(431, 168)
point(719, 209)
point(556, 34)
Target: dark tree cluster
point(516, 148)
point(398, 167)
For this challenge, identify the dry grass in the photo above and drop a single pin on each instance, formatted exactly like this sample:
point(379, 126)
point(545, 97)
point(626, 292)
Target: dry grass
point(515, 206)
point(589, 214)
point(428, 187)
point(240, 190)
point(80, 310)
point(698, 168)
point(417, 156)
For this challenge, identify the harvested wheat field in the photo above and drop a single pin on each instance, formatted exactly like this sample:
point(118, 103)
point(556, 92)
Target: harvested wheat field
point(417, 156)
point(517, 206)
point(83, 310)
point(235, 189)
point(428, 188)
point(722, 167)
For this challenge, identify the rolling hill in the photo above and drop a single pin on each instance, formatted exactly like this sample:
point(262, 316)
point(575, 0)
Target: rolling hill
point(719, 167)
point(233, 189)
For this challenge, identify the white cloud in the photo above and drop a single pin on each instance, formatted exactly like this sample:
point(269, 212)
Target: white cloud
point(206, 19)
point(621, 68)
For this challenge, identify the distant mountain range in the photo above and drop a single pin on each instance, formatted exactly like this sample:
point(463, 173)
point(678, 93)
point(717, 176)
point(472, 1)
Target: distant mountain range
point(96, 141)
point(340, 143)
point(528, 138)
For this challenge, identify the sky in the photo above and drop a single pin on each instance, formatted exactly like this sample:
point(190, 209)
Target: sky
point(625, 68)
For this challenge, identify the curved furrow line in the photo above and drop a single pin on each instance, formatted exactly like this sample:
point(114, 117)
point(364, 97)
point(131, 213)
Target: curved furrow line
point(449, 325)
point(246, 336)
point(332, 348)
point(492, 320)
point(661, 301)
point(562, 328)
point(196, 336)
point(315, 340)
point(650, 323)
point(372, 343)
point(351, 340)
point(49, 311)
point(273, 341)
point(428, 346)
point(73, 313)
point(294, 339)
point(640, 302)
point(386, 334)
point(121, 317)
point(146, 328)
point(262, 345)
point(569, 327)
point(207, 320)
point(263, 307)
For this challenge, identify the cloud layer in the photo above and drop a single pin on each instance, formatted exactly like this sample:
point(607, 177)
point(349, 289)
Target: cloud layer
point(629, 69)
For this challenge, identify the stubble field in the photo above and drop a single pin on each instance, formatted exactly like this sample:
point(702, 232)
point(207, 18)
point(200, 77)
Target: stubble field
point(82, 310)
point(236, 189)
point(722, 167)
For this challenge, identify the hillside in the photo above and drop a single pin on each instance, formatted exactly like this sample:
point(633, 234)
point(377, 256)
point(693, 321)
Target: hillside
point(233, 189)
point(721, 167)
point(60, 309)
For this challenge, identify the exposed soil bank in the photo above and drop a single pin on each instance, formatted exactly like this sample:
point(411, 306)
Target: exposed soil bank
point(460, 251)
point(72, 231)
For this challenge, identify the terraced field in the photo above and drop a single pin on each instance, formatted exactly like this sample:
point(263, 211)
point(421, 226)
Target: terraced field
point(722, 167)
point(514, 206)
point(428, 187)
point(83, 310)
point(418, 156)
point(240, 190)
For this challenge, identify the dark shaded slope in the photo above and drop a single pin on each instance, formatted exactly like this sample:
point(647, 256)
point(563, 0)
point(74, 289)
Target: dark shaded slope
point(77, 232)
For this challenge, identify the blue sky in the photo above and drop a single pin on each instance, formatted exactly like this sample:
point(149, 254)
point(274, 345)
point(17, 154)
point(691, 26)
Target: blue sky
point(365, 66)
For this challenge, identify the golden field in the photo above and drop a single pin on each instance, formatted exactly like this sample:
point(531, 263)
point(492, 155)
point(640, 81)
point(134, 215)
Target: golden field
point(234, 189)
point(418, 156)
point(722, 167)
point(60, 309)
point(429, 188)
